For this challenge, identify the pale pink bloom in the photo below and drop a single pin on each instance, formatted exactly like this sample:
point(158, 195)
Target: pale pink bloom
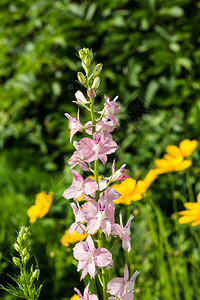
point(99, 214)
point(81, 100)
point(74, 125)
point(80, 219)
point(80, 186)
point(86, 294)
point(109, 195)
point(105, 126)
point(111, 108)
point(123, 232)
point(122, 287)
point(79, 157)
point(120, 174)
point(99, 147)
point(89, 257)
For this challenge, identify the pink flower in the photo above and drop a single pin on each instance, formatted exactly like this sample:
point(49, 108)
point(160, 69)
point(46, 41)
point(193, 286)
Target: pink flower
point(99, 147)
point(86, 294)
point(123, 232)
point(109, 195)
point(74, 125)
point(80, 219)
point(89, 257)
point(122, 287)
point(103, 126)
point(111, 108)
point(79, 157)
point(99, 214)
point(79, 186)
point(81, 100)
point(120, 174)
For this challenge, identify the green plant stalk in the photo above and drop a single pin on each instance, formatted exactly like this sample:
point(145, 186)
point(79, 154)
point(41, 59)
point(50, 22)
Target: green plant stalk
point(96, 177)
point(189, 186)
point(104, 274)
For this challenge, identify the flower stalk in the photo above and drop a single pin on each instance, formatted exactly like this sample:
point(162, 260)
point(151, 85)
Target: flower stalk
point(97, 213)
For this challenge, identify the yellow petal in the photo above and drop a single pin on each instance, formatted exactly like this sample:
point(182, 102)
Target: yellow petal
point(184, 165)
point(192, 205)
point(198, 198)
point(74, 297)
point(187, 147)
point(186, 219)
point(173, 150)
point(195, 223)
point(73, 238)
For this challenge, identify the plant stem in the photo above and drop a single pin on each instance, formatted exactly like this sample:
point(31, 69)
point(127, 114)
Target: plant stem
point(189, 186)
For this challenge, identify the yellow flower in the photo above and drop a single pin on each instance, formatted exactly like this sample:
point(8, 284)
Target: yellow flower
point(171, 164)
point(186, 147)
point(43, 202)
point(74, 297)
point(129, 191)
point(73, 238)
point(192, 214)
point(149, 178)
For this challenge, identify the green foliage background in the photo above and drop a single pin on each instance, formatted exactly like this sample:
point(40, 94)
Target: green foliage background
point(151, 56)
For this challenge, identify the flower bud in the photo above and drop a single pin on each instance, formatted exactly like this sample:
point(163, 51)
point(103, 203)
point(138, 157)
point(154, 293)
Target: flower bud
point(96, 83)
point(97, 70)
point(91, 93)
point(26, 258)
point(17, 247)
point(81, 78)
point(35, 274)
point(17, 261)
point(24, 252)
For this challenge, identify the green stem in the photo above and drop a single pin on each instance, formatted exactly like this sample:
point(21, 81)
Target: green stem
point(189, 186)
point(104, 273)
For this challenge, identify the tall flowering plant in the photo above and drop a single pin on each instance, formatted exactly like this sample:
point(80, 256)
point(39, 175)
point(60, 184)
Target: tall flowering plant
point(97, 214)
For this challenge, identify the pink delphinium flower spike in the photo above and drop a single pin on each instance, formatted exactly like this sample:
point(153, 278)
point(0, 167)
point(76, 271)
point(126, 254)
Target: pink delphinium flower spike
point(122, 287)
point(86, 294)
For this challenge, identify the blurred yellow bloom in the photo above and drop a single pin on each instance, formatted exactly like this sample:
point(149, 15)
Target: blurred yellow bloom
point(73, 238)
point(74, 297)
point(174, 159)
point(192, 214)
point(171, 164)
point(43, 202)
point(186, 147)
point(131, 190)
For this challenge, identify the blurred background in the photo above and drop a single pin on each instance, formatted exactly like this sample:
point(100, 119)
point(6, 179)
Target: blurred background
point(151, 56)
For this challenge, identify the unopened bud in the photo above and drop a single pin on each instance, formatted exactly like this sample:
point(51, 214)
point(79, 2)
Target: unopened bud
point(87, 61)
point(24, 252)
point(17, 247)
point(96, 83)
point(16, 261)
point(97, 70)
point(91, 93)
point(26, 258)
point(81, 78)
point(81, 54)
point(35, 274)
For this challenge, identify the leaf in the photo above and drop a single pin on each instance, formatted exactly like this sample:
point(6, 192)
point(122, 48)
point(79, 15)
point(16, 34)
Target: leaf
point(151, 90)
point(174, 11)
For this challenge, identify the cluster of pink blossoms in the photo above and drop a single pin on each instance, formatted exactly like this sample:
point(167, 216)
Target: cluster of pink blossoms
point(98, 211)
